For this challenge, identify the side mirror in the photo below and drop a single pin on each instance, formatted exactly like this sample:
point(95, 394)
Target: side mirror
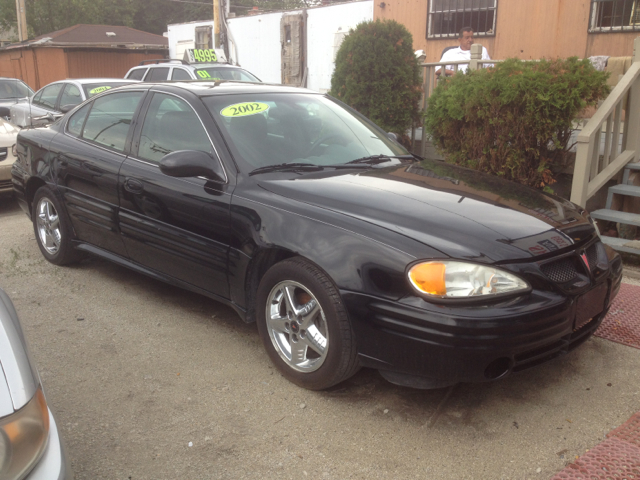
point(48, 118)
point(67, 108)
point(5, 112)
point(192, 163)
point(393, 136)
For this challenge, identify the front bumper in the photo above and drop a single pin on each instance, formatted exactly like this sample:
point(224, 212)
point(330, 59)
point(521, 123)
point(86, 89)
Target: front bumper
point(53, 464)
point(447, 344)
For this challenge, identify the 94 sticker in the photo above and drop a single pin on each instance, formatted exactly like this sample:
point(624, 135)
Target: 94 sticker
point(244, 109)
point(97, 90)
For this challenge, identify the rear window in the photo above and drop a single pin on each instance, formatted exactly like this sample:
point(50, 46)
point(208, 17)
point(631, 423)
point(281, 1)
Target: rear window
point(91, 89)
point(137, 74)
point(14, 89)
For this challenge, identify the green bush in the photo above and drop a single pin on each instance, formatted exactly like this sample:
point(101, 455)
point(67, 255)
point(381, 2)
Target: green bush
point(377, 74)
point(513, 120)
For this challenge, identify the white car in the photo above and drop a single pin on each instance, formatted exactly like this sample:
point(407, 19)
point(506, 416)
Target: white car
point(30, 446)
point(8, 135)
point(57, 98)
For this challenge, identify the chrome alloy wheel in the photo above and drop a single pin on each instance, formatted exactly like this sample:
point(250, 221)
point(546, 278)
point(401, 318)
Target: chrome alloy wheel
point(297, 326)
point(48, 224)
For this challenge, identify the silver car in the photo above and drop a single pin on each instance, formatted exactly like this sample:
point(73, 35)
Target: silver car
point(30, 447)
point(57, 98)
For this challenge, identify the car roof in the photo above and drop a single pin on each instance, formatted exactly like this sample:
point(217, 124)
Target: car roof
point(84, 81)
point(12, 78)
point(222, 87)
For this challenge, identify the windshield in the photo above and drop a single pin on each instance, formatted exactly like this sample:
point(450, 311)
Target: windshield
point(91, 89)
point(14, 89)
point(217, 73)
point(270, 129)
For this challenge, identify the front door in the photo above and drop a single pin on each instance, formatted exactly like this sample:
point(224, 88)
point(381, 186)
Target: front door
point(176, 226)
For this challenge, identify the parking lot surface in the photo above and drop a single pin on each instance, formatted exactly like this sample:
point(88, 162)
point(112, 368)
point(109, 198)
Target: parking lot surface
point(151, 382)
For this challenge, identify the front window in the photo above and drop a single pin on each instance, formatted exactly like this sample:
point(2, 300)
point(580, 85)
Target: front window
point(448, 17)
point(10, 89)
point(49, 96)
point(218, 73)
point(270, 129)
point(614, 15)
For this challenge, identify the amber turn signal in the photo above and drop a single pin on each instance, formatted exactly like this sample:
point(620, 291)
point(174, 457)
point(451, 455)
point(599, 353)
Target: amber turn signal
point(429, 278)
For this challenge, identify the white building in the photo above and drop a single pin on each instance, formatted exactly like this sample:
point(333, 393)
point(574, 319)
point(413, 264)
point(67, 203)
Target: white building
point(302, 44)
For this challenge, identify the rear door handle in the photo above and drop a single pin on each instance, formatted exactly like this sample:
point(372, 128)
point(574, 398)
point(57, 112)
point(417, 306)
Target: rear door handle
point(134, 186)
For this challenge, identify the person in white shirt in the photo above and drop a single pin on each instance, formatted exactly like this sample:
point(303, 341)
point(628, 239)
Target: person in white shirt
point(463, 52)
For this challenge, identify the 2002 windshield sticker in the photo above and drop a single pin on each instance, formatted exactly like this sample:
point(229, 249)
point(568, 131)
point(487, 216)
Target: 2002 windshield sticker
point(244, 109)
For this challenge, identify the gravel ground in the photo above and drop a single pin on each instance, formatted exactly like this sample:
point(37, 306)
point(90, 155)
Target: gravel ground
point(151, 382)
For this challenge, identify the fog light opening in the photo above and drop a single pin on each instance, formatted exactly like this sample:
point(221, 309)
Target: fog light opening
point(498, 368)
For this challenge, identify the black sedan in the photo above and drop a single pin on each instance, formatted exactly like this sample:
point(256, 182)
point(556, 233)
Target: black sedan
point(308, 219)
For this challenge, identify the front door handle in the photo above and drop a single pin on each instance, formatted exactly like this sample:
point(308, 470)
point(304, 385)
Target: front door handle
point(134, 186)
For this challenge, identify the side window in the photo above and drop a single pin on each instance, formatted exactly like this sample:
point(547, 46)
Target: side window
point(157, 75)
point(50, 95)
point(137, 74)
point(70, 95)
point(37, 98)
point(180, 74)
point(75, 123)
point(109, 120)
point(171, 125)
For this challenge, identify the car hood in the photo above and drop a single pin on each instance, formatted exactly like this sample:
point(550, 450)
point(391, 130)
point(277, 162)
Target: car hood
point(460, 212)
point(18, 379)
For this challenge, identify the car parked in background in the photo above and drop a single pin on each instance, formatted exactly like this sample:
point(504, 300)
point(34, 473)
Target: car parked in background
point(204, 64)
point(303, 215)
point(30, 444)
point(12, 91)
point(8, 135)
point(59, 97)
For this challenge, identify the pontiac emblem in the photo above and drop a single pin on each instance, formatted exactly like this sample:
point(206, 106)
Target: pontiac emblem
point(583, 256)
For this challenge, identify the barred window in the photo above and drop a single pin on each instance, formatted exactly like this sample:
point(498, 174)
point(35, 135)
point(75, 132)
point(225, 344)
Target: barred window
point(614, 15)
point(448, 17)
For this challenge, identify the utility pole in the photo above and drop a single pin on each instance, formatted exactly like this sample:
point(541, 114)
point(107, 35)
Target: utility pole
point(22, 20)
point(216, 23)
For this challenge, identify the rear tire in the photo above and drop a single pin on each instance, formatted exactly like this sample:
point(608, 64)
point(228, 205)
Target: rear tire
point(52, 228)
point(304, 325)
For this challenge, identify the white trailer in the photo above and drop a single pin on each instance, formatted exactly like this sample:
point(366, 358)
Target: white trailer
point(263, 43)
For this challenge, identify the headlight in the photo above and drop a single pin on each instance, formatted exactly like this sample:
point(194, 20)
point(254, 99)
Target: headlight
point(447, 279)
point(23, 437)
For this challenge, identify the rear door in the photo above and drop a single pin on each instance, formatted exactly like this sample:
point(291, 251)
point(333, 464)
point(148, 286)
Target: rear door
point(176, 226)
point(88, 156)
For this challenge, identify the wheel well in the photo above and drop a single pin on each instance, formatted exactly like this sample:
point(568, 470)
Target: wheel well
point(33, 185)
point(260, 263)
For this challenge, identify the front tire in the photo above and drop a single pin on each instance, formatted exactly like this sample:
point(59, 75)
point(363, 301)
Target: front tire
point(304, 325)
point(52, 229)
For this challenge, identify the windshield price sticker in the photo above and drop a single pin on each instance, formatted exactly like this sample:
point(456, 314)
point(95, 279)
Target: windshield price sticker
point(98, 90)
point(244, 109)
point(203, 74)
point(200, 55)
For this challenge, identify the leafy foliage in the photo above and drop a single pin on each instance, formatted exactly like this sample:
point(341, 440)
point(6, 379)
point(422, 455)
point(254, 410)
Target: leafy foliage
point(377, 73)
point(513, 120)
point(44, 16)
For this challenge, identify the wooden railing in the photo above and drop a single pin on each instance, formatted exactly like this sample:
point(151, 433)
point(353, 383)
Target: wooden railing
point(594, 168)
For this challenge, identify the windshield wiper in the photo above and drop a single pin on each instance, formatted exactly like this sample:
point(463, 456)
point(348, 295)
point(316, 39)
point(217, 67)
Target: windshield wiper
point(371, 160)
point(283, 167)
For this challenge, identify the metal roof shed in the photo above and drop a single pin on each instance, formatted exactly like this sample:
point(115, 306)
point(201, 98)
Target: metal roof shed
point(78, 52)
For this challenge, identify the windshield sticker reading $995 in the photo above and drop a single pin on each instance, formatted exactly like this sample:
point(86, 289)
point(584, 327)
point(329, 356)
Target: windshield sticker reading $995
point(244, 109)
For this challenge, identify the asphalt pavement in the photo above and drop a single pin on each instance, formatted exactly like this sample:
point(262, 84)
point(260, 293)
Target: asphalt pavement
point(148, 381)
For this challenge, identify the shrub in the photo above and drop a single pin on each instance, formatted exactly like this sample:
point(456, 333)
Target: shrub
point(377, 73)
point(513, 120)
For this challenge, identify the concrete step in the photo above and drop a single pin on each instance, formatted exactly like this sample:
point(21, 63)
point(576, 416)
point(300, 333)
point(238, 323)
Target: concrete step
point(623, 245)
point(616, 216)
point(629, 190)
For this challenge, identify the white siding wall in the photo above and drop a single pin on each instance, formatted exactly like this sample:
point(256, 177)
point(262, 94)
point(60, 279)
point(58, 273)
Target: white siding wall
point(258, 40)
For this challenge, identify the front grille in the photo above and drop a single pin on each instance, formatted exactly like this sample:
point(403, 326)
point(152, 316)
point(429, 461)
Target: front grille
point(3, 153)
point(560, 271)
point(592, 256)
